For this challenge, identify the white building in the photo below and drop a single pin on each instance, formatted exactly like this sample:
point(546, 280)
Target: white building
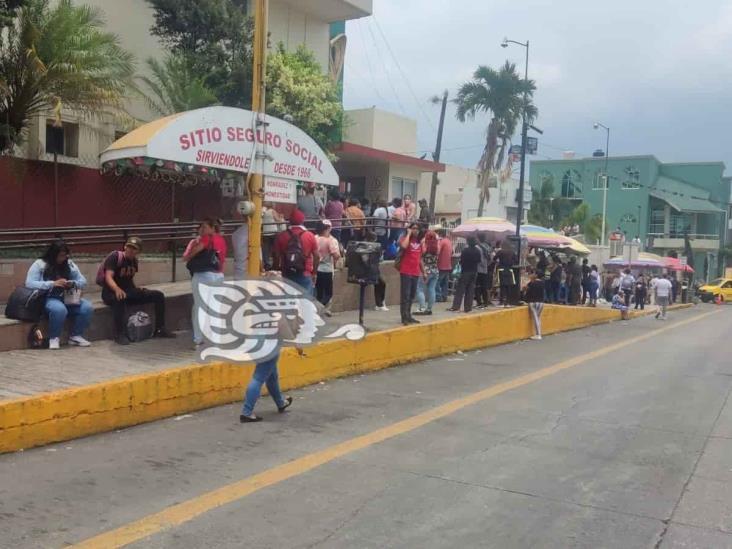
point(502, 201)
point(292, 22)
point(449, 194)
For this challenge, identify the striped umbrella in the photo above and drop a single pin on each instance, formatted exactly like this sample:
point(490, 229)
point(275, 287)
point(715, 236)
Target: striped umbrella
point(493, 227)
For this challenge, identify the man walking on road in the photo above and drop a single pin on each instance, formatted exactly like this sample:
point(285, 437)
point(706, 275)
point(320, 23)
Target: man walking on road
point(663, 294)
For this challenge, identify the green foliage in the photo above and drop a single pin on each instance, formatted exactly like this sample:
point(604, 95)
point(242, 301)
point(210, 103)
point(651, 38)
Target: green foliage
point(215, 38)
point(590, 225)
point(297, 88)
point(55, 55)
point(175, 87)
point(541, 212)
point(503, 95)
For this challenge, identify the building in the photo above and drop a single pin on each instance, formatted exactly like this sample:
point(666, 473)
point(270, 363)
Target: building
point(450, 191)
point(654, 201)
point(81, 140)
point(502, 201)
point(376, 158)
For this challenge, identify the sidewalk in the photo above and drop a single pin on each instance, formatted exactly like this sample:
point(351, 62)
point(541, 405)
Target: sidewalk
point(54, 396)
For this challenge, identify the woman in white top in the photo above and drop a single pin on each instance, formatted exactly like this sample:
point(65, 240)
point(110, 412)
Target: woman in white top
point(329, 252)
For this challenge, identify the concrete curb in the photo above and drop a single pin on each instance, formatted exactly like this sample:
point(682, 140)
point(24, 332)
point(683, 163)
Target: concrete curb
point(71, 413)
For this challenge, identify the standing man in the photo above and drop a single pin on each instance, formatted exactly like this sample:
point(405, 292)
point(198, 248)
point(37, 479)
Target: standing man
point(574, 281)
point(482, 287)
point(627, 286)
point(119, 290)
point(469, 260)
point(663, 289)
point(425, 215)
point(381, 218)
point(310, 205)
point(296, 252)
point(505, 261)
point(585, 280)
point(444, 265)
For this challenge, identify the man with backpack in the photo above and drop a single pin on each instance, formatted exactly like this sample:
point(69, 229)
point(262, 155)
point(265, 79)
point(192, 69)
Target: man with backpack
point(627, 286)
point(116, 277)
point(296, 252)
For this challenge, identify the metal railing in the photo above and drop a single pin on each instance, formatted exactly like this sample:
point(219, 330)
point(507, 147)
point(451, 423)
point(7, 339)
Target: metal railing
point(692, 236)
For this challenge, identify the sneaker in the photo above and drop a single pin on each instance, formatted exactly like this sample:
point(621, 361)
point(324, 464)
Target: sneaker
point(79, 341)
point(382, 308)
point(536, 337)
point(288, 403)
point(54, 343)
point(163, 333)
point(122, 339)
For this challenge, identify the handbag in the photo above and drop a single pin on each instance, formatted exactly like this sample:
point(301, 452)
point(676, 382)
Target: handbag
point(398, 259)
point(26, 304)
point(72, 296)
point(205, 261)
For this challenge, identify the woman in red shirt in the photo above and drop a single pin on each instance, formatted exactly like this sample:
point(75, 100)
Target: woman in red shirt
point(410, 269)
point(210, 271)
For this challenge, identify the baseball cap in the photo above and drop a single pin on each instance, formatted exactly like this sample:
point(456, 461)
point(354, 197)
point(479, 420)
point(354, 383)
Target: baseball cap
point(297, 217)
point(134, 242)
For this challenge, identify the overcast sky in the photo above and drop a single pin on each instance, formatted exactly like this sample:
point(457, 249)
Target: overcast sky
point(657, 72)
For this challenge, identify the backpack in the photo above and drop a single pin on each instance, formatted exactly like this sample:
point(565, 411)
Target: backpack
point(101, 271)
point(139, 327)
point(627, 283)
point(294, 260)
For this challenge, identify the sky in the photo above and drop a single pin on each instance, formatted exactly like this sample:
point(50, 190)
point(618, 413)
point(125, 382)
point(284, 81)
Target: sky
point(657, 72)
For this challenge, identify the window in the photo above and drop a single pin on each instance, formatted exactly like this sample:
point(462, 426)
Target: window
point(727, 285)
point(546, 178)
point(631, 178)
point(599, 181)
point(628, 218)
point(571, 184)
point(680, 223)
point(657, 221)
point(401, 186)
point(62, 140)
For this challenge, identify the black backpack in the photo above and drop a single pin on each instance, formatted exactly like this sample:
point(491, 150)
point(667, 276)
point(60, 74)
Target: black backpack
point(294, 260)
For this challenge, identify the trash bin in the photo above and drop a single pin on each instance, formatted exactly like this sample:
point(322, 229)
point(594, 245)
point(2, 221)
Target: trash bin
point(362, 261)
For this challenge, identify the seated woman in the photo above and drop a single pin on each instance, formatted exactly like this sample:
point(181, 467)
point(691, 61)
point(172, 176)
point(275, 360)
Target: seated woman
point(57, 274)
point(618, 303)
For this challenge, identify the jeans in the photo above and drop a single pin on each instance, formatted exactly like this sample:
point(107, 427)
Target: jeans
point(554, 291)
point(135, 296)
point(426, 293)
point(305, 281)
point(206, 278)
point(57, 312)
point(380, 292)
point(443, 284)
point(465, 291)
point(324, 288)
point(383, 240)
point(264, 373)
point(408, 291)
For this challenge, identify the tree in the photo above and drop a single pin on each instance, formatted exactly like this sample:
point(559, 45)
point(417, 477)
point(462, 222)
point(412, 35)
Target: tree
point(174, 86)
point(8, 11)
point(298, 88)
point(215, 37)
point(590, 225)
point(58, 55)
point(541, 212)
point(501, 94)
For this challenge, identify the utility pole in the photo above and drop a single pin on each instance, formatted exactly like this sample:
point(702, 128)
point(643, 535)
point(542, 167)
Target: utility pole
point(436, 156)
point(256, 179)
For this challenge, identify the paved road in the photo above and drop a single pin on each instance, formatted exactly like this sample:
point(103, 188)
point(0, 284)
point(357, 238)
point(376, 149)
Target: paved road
point(518, 446)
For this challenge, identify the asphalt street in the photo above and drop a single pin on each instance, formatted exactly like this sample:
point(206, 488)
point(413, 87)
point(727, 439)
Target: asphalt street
point(619, 435)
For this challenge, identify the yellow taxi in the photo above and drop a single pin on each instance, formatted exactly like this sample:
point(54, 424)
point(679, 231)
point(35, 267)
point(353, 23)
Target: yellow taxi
point(721, 287)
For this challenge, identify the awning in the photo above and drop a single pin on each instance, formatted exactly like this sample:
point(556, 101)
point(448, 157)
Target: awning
point(347, 151)
point(222, 138)
point(683, 197)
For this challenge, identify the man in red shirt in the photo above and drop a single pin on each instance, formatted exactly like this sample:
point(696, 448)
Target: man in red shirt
point(444, 264)
point(296, 252)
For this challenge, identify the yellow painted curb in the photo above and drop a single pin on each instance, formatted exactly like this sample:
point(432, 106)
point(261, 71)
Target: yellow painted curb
point(72, 413)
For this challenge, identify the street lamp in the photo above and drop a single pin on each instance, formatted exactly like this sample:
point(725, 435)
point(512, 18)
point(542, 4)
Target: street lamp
point(597, 126)
point(524, 131)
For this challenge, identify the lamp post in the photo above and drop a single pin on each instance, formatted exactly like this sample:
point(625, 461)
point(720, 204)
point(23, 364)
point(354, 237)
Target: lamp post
point(607, 179)
point(524, 131)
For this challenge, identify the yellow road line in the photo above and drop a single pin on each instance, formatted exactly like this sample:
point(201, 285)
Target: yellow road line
point(194, 507)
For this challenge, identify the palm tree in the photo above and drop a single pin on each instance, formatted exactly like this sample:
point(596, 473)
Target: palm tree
point(505, 96)
point(55, 55)
point(174, 87)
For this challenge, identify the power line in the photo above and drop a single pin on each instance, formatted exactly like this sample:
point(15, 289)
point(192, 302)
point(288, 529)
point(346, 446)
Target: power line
point(404, 76)
point(368, 60)
point(388, 78)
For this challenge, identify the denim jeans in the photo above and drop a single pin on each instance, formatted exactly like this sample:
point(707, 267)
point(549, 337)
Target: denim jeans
point(305, 281)
point(465, 292)
point(57, 312)
point(443, 283)
point(206, 278)
point(265, 373)
point(426, 292)
point(408, 290)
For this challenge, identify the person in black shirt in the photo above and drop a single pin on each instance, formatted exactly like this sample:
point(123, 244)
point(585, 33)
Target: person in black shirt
point(585, 280)
point(555, 280)
point(119, 290)
point(469, 261)
point(506, 260)
point(534, 296)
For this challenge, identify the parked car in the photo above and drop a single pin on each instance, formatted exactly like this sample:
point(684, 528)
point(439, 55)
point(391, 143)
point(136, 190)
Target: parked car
point(721, 287)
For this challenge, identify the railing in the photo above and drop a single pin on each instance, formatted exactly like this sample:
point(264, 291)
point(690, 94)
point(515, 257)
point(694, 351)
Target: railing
point(681, 236)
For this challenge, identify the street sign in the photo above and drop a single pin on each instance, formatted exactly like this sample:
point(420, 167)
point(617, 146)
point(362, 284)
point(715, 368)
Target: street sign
point(280, 190)
point(532, 145)
point(515, 149)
